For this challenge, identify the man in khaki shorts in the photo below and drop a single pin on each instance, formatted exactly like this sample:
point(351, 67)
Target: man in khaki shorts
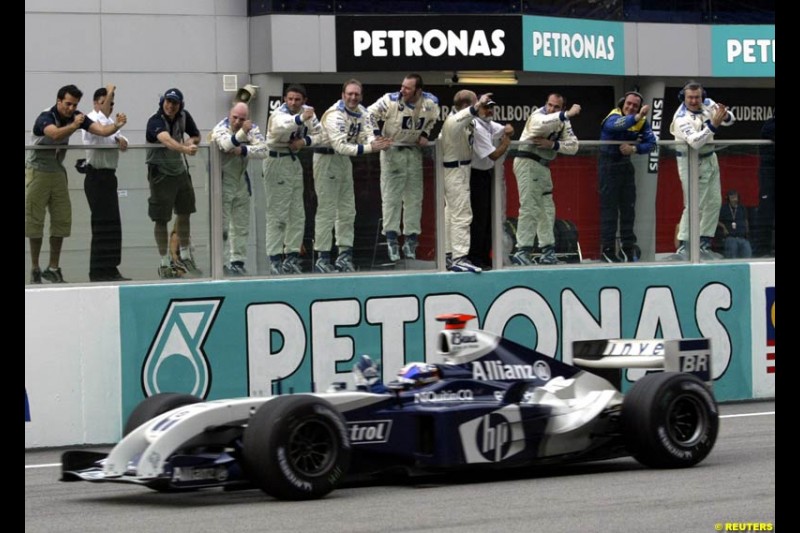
point(46, 187)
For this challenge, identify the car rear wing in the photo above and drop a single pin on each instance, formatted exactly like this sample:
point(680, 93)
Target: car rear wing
point(692, 356)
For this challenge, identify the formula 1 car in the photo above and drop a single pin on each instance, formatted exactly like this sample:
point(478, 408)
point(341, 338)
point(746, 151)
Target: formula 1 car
point(488, 403)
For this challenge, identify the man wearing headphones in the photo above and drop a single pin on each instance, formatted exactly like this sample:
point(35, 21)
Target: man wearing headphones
point(547, 133)
point(695, 123)
point(627, 122)
point(174, 133)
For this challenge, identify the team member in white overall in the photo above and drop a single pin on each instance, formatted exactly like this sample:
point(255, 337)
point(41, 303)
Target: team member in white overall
point(290, 127)
point(695, 123)
point(455, 142)
point(408, 117)
point(547, 132)
point(239, 140)
point(347, 130)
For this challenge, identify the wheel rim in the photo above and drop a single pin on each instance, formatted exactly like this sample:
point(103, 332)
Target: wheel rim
point(312, 447)
point(687, 420)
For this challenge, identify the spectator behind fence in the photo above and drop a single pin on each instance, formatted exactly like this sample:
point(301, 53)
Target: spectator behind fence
point(46, 189)
point(547, 132)
point(239, 140)
point(626, 122)
point(291, 127)
point(174, 134)
point(764, 237)
point(733, 222)
point(100, 186)
point(696, 122)
point(347, 130)
point(408, 117)
point(491, 142)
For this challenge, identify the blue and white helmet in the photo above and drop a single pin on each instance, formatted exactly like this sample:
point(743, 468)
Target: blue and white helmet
point(418, 374)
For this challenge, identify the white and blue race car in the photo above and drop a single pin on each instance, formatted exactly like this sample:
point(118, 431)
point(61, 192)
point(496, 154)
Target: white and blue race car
point(488, 403)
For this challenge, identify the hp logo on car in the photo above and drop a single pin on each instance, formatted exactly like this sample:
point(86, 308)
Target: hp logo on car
point(493, 437)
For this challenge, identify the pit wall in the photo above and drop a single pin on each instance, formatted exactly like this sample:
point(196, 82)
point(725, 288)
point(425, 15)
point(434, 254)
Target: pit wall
point(105, 348)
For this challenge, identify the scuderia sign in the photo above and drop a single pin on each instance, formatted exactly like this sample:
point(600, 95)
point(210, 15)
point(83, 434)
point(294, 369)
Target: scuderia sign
point(412, 44)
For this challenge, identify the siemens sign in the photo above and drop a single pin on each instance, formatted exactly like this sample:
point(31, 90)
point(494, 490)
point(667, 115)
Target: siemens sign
point(381, 43)
point(743, 51)
point(573, 45)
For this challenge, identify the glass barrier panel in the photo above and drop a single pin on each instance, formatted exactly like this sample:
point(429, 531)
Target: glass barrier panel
point(140, 259)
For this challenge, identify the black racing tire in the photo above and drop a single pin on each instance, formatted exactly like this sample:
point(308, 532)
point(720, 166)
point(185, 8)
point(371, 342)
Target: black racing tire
point(296, 447)
point(155, 405)
point(669, 420)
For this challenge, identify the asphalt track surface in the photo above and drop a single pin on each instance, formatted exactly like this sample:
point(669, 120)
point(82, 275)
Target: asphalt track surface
point(732, 490)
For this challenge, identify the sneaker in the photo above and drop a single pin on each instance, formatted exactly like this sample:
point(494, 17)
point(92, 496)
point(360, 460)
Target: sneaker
point(548, 257)
point(53, 275)
point(168, 272)
point(463, 264)
point(522, 257)
point(275, 267)
point(291, 265)
point(236, 268)
point(394, 251)
point(610, 255)
point(36, 276)
point(344, 263)
point(706, 252)
point(188, 266)
point(323, 265)
point(631, 253)
point(410, 248)
point(448, 260)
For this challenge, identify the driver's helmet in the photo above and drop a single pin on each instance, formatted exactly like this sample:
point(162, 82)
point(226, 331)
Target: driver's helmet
point(418, 374)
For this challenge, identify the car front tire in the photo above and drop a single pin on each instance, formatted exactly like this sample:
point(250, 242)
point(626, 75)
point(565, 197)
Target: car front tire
point(296, 447)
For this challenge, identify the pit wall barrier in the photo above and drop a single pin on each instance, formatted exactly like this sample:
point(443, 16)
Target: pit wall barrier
point(105, 348)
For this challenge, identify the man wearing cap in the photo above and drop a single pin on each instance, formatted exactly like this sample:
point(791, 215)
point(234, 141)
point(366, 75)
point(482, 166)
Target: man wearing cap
point(290, 128)
point(491, 143)
point(735, 227)
point(46, 187)
point(239, 140)
point(408, 117)
point(175, 135)
point(547, 133)
point(100, 186)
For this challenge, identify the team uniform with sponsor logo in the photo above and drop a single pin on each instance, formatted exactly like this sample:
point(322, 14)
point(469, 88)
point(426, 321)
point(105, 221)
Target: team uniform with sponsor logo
point(695, 129)
point(537, 211)
point(401, 165)
point(236, 185)
point(455, 141)
point(283, 180)
point(345, 133)
point(618, 178)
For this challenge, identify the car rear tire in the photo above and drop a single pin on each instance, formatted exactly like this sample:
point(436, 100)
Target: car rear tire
point(155, 405)
point(669, 420)
point(296, 447)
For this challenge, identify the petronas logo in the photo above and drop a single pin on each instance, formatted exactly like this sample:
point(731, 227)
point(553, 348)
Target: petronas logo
point(176, 361)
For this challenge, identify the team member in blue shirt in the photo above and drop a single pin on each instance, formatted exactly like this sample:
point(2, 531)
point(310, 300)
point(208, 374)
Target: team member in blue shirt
point(627, 122)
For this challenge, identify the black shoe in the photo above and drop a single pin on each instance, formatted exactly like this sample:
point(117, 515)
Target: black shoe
point(632, 253)
point(36, 276)
point(53, 275)
point(116, 276)
point(610, 255)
